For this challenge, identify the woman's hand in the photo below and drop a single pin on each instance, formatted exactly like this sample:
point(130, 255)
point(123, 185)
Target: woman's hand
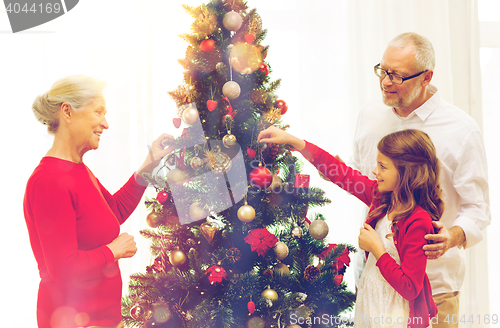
point(370, 241)
point(274, 135)
point(123, 246)
point(156, 153)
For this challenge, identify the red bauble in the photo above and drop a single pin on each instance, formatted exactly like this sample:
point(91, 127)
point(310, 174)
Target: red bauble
point(216, 274)
point(251, 153)
point(264, 68)
point(207, 45)
point(177, 122)
point(251, 307)
point(281, 105)
point(337, 279)
point(162, 197)
point(261, 177)
point(249, 37)
point(211, 105)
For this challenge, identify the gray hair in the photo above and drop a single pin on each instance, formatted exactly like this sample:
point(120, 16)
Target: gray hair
point(424, 52)
point(76, 90)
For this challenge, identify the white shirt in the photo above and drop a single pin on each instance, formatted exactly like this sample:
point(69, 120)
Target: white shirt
point(463, 174)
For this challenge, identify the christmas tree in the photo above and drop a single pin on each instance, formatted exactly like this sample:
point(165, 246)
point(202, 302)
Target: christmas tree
point(231, 243)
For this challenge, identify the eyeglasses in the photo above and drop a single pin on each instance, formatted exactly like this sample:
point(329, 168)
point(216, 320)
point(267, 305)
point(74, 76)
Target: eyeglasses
point(395, 78)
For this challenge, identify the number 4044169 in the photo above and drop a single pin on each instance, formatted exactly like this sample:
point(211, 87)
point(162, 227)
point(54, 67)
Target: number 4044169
point(472, 319)
point(34, 8)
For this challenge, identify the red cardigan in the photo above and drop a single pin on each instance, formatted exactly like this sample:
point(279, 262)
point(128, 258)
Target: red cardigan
point(71, 218)
point(408, 279)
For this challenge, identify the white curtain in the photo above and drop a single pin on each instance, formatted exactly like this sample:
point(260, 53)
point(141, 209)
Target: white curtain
point(324, 52)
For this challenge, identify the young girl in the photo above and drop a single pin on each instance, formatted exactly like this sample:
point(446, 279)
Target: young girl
point(405, 198)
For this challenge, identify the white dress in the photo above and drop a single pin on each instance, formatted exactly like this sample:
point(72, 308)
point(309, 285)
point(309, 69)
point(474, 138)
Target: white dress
point(378, 304)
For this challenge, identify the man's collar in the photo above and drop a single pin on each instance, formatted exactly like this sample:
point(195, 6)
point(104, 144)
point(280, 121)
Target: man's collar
point(426, 109)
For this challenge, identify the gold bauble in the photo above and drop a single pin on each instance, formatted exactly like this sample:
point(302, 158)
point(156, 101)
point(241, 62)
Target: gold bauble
point(196, 162)
point(282, 269)
point(177, 258)
point(270, 294)
point(197, 212)
point(154, 219)
point(177, 176)
point(281, 250)
point(208, 231)
point(318, 229)
point(293, 326)
point(161, 312)
point(246, 213)
point(229, 140)
point(190, 115)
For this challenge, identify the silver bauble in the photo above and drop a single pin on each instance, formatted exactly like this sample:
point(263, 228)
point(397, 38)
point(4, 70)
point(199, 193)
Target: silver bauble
point(232, 21)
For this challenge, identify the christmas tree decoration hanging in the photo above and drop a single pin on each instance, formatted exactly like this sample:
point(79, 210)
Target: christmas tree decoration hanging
point(190, 115)
point(162, 196)
point(207, 45)
point(177, 122)
point(177, 258)
point(261, 177)
point(218, 161)
point(177, 176)
point(196, 162)
point(251, 153)
point(281, 106)
point(249, 37)
point(281, 269)
point(296, 231)
point(246, 213)
point(231, 90)
point(245, 58)
point(161, 312)
point(264, 68)
point(270, 294)
point(197, 212)
point(251, 307)
point(154, 219)
point(337, 279)
point(216, 274)
point(318, 229)
point(232, 21)
point(211, 105)
point(281, 250)
point(208, 231)
point(138, 311)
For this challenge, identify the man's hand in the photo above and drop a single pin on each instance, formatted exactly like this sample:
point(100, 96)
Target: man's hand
point(443, 240)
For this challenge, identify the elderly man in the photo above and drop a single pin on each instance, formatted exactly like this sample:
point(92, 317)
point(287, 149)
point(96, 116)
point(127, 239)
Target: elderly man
point(411, 102)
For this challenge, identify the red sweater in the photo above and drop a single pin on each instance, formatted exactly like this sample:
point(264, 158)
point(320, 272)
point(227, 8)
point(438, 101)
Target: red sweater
point(71, 218)
point(408, 279)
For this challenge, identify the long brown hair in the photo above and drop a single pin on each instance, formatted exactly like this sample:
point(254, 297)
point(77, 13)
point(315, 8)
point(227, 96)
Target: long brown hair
point(414, 157)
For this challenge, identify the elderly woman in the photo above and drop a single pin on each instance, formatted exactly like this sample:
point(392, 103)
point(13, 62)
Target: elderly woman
point(73, 221)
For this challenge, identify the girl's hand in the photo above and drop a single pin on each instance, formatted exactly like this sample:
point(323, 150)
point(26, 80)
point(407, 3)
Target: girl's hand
point(370, 241)
point(274, 135)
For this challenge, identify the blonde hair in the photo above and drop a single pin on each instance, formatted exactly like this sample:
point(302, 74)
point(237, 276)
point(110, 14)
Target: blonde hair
point(76, 90)
point(414, 157)
point(424, 52)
